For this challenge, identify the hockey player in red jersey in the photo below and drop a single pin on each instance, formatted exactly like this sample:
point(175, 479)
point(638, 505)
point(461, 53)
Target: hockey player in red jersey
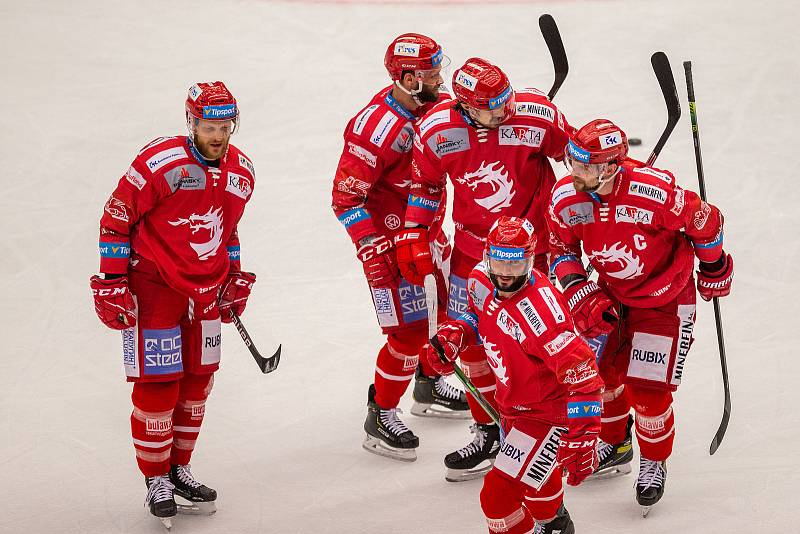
point(493, 143)
point(370, 191)
point(548, 389)
point(641, 233)
point(170, 271)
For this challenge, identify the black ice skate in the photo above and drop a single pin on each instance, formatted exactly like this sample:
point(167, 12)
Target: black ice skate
point(476, 458)
point(161, 499)
point(561, 524)
point(435, 397)
point(615, 459)
point(386, 433)
point(650, 483)
point(201, 497)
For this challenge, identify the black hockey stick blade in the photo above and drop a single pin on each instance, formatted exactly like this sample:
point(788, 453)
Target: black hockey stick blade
point(559, 56)
point(267, 365)
point(723, 425)
point(666, 81)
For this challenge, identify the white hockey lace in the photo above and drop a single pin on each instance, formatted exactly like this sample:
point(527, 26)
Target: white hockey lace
point(604, 450)
point(651, 473)
point(160, 489)
point(446, 390)
point(185, 476)
point(393, 423)
point(477, 443)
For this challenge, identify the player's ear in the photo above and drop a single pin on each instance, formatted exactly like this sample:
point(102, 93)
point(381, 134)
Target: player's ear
point(409, 80)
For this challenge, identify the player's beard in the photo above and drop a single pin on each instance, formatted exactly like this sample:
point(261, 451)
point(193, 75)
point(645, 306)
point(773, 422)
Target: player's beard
point(211, 150)
point(428, 93)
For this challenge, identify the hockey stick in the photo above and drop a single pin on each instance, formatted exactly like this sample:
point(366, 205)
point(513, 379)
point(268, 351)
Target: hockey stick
point(560, 65)
point(552, 37)
point(726, 413)
point(431, 299)
point(267, 365)
point(666, 81)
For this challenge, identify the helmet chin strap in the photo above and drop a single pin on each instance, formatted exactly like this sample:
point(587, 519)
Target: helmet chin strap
point(601, 183)
point(412, 93)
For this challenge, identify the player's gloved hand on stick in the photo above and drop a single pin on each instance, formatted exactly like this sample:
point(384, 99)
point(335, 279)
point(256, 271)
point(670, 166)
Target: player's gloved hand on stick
point(414, 254)
point(716, 283)
point(452, 337)
point(593, 312)
point(577, 448)
point(377, 257)
point(113, 302)
point(234, 293)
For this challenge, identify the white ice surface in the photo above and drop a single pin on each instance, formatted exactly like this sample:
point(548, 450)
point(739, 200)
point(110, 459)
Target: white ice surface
point(86, 83)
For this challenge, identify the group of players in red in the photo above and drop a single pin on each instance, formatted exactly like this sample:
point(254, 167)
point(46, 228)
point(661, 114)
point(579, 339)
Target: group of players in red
point(562, 368)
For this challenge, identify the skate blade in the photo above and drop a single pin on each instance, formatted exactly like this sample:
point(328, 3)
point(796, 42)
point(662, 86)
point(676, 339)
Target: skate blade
point(197, 508)
point(462, 475)
point(645, 511)
point(613, 471)
point(376, 446)
point(432, 410)
point(166, 522)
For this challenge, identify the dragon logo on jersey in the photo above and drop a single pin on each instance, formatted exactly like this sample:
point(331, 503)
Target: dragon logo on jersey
point(618, 254)
point(495, 362)
point(211, 221)
point(500, 187)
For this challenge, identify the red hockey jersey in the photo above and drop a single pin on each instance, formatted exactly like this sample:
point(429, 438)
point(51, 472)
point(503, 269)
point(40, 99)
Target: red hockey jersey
point(173, 210)
point(530, 345)
point(641, 239)
point(494, 172)
point(372, 180)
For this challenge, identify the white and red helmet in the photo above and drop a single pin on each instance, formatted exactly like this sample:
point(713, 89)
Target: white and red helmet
point(211, 101)
point(484, 86)
point(599, 141)
point(412, 52)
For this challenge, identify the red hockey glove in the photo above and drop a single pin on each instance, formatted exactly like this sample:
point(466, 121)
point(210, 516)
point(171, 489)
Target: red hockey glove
point(592, 310)
point(717, 283)
point(234, 293)
point(452, 336)
point(113, 302)
point(577, 448)
point(380, 266)
point(414, 254)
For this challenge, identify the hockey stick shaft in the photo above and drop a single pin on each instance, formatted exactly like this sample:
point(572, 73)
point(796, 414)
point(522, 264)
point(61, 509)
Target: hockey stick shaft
point(267, 365)
point(726, 413)
point(431, 299)
point(552, 37)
